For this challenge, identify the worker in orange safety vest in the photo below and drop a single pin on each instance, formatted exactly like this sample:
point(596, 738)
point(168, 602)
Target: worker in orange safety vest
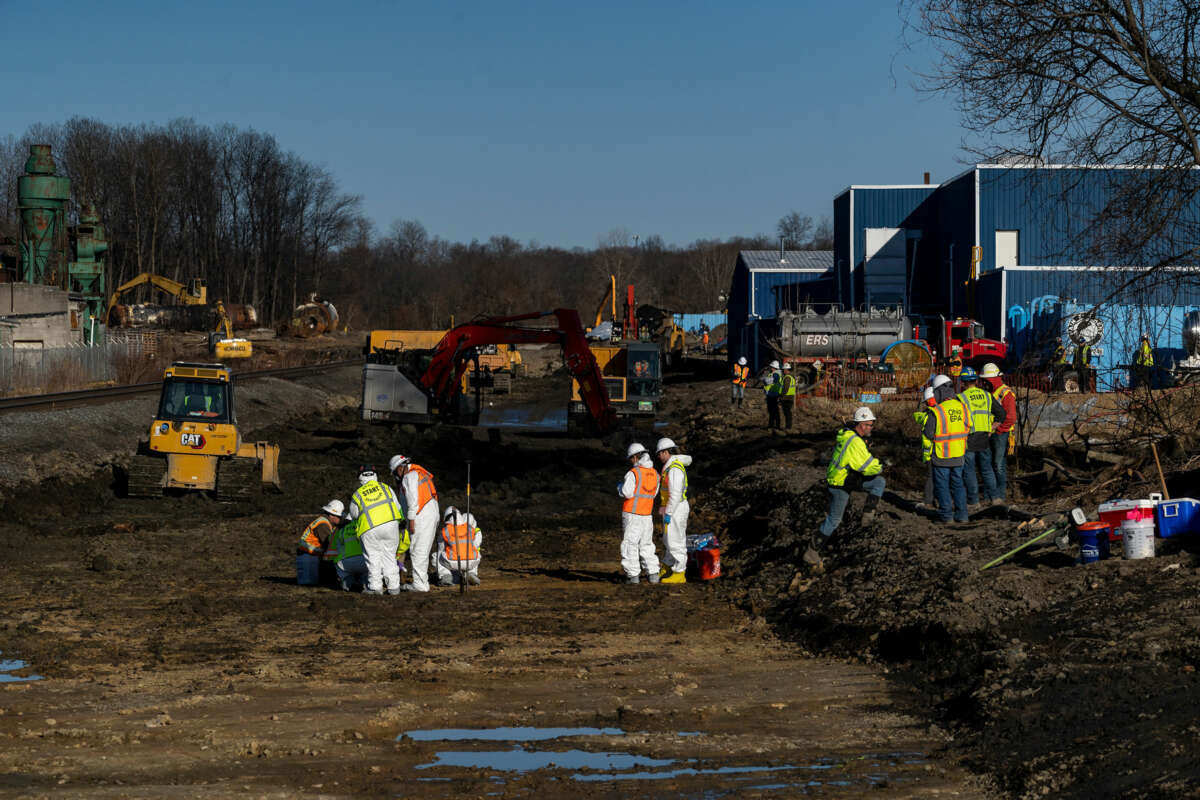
point(741, 374)
point(638, 489)
point(315, 540)
point(458, 548)
point(421, 503)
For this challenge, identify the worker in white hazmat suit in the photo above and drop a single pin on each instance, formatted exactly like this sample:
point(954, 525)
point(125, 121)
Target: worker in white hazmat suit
point(674, 510)
point(458, 548)
point(421, 500)
point(638, 489)
point(377, 516)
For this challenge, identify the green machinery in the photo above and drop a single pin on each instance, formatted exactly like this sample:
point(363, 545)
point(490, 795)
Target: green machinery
point(46, 242)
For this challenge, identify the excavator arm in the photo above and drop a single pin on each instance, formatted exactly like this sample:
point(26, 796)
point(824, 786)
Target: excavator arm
point(192, 293)
point(451, 355)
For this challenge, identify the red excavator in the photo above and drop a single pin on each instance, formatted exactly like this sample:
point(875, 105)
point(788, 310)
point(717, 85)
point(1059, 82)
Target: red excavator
point(421, 386)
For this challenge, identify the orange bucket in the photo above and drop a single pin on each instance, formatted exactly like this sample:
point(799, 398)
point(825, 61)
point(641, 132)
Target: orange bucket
point(708, 563)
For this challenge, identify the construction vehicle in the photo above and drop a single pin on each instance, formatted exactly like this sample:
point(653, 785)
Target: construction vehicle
point(194, 442)
point(192, 293)
point(632, 375)
point(878, 340)
point(497, 363)
point(422, 386)
point(221, 342)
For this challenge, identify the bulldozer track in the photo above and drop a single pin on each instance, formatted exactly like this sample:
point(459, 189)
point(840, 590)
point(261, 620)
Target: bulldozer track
point(86, 397)
point(238, 479)
point(144, 476)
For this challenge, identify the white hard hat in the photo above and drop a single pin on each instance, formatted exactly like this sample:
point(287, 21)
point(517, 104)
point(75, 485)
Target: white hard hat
point(366, 476)
point(397, 461)
point(940, 380)
point(863, 414)
point(334, 507)
point(787, 365)
point(928, 394)
point(634, 449)
point(774, 365)
point(742, 361)
point(663, 444)
point(989, 370)
point(449, 513)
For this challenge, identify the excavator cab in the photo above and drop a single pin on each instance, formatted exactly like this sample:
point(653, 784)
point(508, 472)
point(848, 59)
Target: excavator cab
point(194, 442)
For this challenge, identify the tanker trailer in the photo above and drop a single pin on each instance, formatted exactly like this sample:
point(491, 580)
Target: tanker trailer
point(879, 339)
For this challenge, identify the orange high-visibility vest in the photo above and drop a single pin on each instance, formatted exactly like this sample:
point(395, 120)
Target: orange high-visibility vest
point(741, 373)
point(310, 540)
point(460, 543)
point(645, 488)
point(425, 490)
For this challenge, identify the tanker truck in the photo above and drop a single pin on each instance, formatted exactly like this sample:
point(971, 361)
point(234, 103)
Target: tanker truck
point(878, 340)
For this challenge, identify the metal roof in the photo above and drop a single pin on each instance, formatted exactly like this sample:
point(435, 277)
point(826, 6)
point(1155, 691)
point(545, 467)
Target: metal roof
point(793, 260)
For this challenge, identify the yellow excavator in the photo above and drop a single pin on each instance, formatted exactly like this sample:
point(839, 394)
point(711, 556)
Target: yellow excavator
point(195, 444)
point(221, 342)
point(192, 293)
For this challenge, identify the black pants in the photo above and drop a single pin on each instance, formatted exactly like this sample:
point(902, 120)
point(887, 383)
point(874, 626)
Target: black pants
point(786, 402)
point(773, 411)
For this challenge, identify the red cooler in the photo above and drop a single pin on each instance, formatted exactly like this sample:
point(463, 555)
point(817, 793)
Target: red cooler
point(1114, 512)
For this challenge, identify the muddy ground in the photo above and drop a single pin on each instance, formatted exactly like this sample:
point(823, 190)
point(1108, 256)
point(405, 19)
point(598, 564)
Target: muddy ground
point(177, 657)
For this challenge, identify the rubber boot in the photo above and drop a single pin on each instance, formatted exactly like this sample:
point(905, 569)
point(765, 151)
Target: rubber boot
point(812, 553)
point(674, 577)
point(868, 514)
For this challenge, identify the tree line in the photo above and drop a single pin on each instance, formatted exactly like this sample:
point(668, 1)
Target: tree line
point(265, 227)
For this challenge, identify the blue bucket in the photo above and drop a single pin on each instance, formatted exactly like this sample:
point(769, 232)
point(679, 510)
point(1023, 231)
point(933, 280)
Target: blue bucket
point(1093, 542)
point(308, 570)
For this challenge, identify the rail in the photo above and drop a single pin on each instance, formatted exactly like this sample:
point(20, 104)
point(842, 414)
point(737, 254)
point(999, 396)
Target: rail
point(57, 400)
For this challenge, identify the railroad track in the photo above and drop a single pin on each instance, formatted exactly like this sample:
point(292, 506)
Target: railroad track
point(84, 397)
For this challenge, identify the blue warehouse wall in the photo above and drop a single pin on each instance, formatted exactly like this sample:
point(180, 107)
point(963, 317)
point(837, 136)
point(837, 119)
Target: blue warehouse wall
point(751, 309)
point(890, 207)
point(1038, 303)
point(841, 246)
point(945, 260)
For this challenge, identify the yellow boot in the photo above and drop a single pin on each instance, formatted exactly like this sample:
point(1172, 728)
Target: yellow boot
point(674, 577)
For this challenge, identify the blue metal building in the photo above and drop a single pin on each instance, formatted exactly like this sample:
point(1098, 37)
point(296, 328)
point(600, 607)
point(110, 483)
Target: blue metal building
point(751, 305)
point(1000, 243)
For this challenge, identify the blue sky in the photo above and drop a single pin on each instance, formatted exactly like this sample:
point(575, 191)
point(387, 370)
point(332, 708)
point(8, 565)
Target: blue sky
point(552, 122)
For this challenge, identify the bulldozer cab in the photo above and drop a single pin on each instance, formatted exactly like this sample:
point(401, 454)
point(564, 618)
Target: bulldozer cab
point(188, 396)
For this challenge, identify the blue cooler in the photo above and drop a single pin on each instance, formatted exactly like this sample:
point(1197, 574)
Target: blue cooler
point(1177, 517)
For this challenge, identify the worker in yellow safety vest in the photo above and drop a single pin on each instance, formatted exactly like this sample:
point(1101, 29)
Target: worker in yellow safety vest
point(947, 427)
point(421, 501)
point(920, 415)
point(674, 509)
point(787, 395)
point(1143, 363)
point(458, 546)
point(638, 489)
point(984, 412)
point(741, 374)
point(852, 467)
point(1082, 364)
point(773, 387)
point(377, 516)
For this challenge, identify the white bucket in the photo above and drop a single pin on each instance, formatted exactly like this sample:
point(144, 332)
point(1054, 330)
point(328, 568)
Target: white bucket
point(1139, 538)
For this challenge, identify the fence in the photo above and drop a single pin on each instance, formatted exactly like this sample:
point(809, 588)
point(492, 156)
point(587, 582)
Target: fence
point(39, 370)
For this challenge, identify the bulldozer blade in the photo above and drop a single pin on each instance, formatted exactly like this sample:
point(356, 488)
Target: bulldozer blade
point(267, 455)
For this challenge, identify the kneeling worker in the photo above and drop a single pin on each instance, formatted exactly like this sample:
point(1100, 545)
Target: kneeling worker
point(458, 548)
point(851, 467)
point(674, 509)
point(315, 541)
point(345, 553)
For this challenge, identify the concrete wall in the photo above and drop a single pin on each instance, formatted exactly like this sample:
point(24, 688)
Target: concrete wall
point(41, 314)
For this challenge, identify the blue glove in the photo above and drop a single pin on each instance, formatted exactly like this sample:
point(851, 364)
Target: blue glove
point(667, 518)
point(620, 485)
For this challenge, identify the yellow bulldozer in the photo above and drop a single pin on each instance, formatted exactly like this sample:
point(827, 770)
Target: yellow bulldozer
point(194, 441)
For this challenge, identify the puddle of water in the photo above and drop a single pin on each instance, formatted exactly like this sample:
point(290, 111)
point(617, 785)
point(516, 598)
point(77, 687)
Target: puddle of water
point(675, 773)
point(10, 665)
point(520, 760)
point(506, 734)
point(536, 418)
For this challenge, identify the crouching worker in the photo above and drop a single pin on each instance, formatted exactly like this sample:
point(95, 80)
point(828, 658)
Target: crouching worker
point(458, 548)
point(345, 554)
point(315, 541)
point(852, 467)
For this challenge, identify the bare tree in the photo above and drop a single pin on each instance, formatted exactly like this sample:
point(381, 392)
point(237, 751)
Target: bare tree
point(1098, 82)
point(794, 229)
